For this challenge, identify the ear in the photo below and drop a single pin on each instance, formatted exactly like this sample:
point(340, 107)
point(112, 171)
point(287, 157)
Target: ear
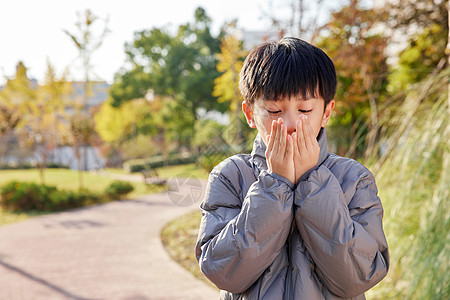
point(248, 112)
point(327, 113)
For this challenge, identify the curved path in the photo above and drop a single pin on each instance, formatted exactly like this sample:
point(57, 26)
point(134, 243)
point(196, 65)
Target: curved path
point(110, 251)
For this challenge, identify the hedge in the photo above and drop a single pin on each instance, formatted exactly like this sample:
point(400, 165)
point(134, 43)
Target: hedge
point(157, 161)
point(26, 196)
point(118, 189)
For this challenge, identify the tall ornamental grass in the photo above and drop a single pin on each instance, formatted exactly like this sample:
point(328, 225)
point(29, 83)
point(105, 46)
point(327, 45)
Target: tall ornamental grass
point(414, 180)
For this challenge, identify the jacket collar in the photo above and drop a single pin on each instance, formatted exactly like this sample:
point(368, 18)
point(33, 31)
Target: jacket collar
point(258, 155)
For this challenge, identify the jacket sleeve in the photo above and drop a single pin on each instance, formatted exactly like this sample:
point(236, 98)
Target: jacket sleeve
point(239, 238)
point(345, 238)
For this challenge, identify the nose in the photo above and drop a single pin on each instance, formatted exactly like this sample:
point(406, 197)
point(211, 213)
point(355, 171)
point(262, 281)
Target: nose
point(289, 121)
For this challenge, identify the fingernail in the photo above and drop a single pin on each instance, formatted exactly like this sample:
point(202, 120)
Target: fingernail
point(304, 117)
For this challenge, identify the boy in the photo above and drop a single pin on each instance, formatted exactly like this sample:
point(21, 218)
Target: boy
point(291, 220)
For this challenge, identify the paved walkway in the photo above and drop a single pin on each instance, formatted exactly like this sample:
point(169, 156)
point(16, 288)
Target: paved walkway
point(110, 251)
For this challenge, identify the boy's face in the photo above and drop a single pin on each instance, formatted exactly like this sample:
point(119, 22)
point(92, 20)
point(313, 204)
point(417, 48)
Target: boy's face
point(261, 113)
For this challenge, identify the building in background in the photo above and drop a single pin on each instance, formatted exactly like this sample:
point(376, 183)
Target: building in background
point(98, 93)
point(12, 154)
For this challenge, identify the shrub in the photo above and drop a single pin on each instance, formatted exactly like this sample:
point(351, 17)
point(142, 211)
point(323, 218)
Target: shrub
point(63, 200)
point(25, 166)
point(18, 196)
point(53, 165)
point(25, 196)
point(16, 166)
point(118, 189)
point(157, 161)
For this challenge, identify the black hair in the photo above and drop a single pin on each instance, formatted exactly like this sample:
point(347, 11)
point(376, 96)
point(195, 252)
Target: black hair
point(287, 68)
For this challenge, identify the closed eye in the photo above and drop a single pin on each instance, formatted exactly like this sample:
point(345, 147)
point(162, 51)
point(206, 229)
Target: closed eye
point(273, 111)
point(305, 111)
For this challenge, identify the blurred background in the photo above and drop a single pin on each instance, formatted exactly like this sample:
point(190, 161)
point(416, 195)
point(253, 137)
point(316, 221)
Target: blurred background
point(100, 87)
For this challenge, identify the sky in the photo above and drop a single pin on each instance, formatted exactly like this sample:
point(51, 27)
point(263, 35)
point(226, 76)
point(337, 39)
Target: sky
point(32, 31)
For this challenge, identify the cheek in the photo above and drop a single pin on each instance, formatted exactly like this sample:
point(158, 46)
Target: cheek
point(316, 124)
point(263, 125)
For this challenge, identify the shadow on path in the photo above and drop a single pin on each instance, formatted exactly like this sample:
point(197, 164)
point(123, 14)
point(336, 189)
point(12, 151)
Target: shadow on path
point(42, 281)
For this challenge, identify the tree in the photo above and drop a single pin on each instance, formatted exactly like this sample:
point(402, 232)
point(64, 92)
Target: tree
point(226, 86)
point(20, 90)
point(46, 127)
point(34, 114)
point(87, 43)
point(81, 131)
point(109, 123)
point(9, 117)
point(161, 122)
point(351, 39)
point(424, 27)
point(17, 97)
point(411, 16)
point(11, 98)
point(179, 66)
point(118, 124)
point(424, 53)
point(169, 65)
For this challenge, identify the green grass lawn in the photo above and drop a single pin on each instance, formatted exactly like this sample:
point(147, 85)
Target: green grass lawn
point(179, 237)
point(61, 178)
point(94, 181)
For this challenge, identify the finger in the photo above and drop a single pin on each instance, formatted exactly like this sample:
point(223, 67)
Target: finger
point(297, 132)
point(309, 136)
point(269, 141)
point(283, 139)
point(295, 142)
point(301, 135)
point(274, 136)
point(270, 138)
point(290, 147)
point(279, 135)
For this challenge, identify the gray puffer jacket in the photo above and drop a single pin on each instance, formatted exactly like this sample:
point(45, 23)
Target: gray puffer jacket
point(261, 237)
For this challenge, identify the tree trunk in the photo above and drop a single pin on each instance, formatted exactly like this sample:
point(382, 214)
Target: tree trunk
point(84, 110)
point(80, 164)
point(42, 166)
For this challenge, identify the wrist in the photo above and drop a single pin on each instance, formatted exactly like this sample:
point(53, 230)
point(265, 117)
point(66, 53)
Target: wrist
point(305, 175)
point(282, 172)
point(287, 179)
